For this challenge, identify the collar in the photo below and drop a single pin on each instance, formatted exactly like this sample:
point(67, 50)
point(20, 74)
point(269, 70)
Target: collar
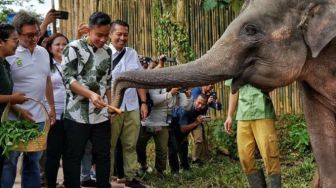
point(86, 40)
point(114, 50)
point(23, 49)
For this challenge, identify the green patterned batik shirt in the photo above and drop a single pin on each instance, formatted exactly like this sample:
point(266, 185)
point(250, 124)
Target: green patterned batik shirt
point(90, 69)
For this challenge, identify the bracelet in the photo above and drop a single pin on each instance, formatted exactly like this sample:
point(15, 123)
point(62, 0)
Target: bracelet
point(143, 102)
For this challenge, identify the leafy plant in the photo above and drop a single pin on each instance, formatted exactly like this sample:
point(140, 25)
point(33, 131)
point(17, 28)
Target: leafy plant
point(169, 35)
point(222, 140)
point(296, 134)
point(211, 4)
point(13, 132)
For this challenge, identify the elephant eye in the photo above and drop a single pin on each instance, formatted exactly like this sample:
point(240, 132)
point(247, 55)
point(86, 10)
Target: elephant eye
point(250, 30)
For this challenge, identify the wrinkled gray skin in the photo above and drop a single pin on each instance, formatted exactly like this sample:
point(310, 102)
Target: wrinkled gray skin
point(270, 44)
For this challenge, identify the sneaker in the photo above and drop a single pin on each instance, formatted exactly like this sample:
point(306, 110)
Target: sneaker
point(88, 183)
point(134, 184)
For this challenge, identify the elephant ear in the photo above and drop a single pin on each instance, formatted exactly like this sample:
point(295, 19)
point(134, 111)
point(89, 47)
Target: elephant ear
point(320, 25)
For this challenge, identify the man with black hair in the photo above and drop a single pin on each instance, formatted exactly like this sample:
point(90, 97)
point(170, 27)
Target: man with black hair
point(126, 126)
point(200, 148)
point(30, 72)
point(183, 122)
point(86, 68)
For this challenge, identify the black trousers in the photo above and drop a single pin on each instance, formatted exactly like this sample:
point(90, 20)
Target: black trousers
point(54, 152)
point(2, 159)
point(76, 137)
point(119, 161)
point(177, 149)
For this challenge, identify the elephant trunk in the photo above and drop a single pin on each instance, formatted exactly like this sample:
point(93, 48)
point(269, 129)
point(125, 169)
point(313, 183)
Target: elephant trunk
point(203, 71)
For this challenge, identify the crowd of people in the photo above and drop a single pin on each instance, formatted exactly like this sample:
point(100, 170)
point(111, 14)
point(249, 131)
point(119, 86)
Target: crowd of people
point(74, 79)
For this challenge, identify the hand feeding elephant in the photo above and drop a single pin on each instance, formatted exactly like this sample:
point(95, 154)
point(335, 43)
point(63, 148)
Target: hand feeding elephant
point(270, 44)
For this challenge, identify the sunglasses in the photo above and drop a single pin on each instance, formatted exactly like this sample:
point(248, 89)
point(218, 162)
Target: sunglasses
point(31, 35)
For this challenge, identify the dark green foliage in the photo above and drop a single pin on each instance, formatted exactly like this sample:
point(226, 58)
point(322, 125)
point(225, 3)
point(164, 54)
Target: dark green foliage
point(221, 171)
point(12, 132)
point(220, 139)
point(211, 4)
point(170, 36)
point(294, 134)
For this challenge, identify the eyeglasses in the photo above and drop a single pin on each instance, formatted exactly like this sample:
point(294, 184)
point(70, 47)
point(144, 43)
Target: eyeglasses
point(31, 35)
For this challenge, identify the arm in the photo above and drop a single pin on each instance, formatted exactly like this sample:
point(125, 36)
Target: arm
point(50, 17)
point(96, 99)
point(187, 128)
point(70, 73)
point(186, 99)
point(143, 107)
point(50, 98)
point(233, 100)
point(16, 98)
point(157, 97)
point(82, 30)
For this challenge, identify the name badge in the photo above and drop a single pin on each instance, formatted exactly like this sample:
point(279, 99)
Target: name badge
point(19, 62)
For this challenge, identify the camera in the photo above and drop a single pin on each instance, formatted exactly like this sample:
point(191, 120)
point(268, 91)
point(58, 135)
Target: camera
point(64, 15)
point(183, 90)
point(144, 59)
point(170, 59)
point(206, 118)
point(213, 94)
point(163, 58)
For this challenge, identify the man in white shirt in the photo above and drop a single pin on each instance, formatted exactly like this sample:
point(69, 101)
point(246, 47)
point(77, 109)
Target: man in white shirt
point(30, 73)
point(126, 126)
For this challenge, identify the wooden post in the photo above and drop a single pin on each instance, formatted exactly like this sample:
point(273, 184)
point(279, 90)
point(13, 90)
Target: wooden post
point(54, 29)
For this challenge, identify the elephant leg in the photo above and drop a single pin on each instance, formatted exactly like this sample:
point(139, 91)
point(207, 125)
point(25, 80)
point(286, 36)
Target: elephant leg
point(322, 129)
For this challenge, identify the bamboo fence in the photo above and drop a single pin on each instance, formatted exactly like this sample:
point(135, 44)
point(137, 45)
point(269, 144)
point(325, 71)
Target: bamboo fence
point(204, 29)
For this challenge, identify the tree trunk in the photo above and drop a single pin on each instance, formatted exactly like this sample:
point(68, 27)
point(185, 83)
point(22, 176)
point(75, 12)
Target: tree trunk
point(181, 20)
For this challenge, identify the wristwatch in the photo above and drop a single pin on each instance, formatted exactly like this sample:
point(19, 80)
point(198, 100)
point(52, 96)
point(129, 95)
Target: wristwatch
point(143, 102)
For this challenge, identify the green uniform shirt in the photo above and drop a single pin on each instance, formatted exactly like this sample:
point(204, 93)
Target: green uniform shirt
point(253, 104)
point(6, 83)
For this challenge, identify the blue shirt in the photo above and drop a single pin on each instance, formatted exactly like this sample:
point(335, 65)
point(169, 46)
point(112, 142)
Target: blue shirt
point(185, 117)
point(196, 91)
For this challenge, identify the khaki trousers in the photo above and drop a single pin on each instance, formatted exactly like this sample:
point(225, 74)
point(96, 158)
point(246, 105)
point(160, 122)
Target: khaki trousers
point(199, 150)
point(261, 133)
point(126, 126)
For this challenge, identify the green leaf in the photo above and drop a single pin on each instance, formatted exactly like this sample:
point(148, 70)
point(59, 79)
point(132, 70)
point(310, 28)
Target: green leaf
point(209, 4)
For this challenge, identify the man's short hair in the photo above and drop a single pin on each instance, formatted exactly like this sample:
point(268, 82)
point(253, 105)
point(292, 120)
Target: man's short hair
point(24, 18)
point(203, 96)
point(99, 19)
point(119, 22)
point(5, 31)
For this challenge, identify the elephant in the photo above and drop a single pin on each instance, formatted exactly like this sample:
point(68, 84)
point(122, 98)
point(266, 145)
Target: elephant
point(270, 44)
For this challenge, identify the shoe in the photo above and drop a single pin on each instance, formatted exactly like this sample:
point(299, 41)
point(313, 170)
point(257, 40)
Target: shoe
point(175, 174)
point(88, 183)
point(143, 170)
point(134, 184)
point(160, 175)
point(121, 180)
point(198, 162)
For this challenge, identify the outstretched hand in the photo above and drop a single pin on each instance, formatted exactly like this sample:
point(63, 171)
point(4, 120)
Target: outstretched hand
point(228, 125)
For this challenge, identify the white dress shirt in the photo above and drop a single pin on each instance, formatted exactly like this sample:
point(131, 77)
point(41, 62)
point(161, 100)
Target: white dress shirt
point(129, 62)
